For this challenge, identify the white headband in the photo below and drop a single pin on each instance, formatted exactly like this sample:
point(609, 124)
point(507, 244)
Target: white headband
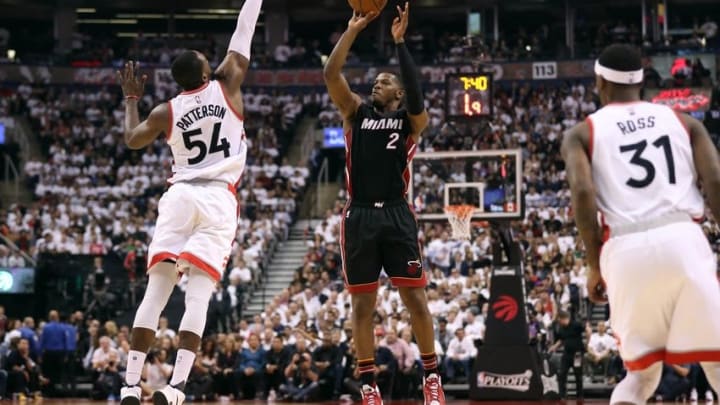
point(618, 76)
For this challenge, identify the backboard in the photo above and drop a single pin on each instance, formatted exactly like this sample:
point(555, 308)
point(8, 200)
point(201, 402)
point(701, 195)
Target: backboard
point(490, 180)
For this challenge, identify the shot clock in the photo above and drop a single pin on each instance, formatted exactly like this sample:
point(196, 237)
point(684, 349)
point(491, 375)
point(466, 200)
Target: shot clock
point(468, 96)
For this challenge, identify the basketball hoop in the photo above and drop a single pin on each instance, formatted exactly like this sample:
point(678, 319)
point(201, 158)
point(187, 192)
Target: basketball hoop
point(459, 217)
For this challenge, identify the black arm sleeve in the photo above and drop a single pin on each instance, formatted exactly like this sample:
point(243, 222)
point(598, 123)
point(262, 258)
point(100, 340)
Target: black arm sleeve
point(411, 81)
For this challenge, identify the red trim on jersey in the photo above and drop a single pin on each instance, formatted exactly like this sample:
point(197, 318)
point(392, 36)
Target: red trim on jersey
point(158, 257)
point(605, 229)
point(197, 90)
point(692, 357)
point(410, 149)
point(591, 137)
point(645, 361)
point(229, 104)
point(363, 288)
point(170, 121)
point(410, 282)
point(348, 161)
point(200, 264)
point(651, 358)
point(687, 130)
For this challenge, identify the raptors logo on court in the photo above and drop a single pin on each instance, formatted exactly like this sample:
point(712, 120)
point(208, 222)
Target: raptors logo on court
point(505, 308)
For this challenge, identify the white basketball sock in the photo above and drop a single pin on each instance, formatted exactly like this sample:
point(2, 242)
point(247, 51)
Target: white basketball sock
point(183, 364)
point(135, 363)
point(637, 386)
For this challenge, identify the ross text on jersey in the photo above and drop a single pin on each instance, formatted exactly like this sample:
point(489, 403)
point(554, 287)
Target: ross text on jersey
point(630, 126)
point(212, 110)
point(384, 123)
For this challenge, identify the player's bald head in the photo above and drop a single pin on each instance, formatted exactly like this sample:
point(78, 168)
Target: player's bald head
point(190, 69)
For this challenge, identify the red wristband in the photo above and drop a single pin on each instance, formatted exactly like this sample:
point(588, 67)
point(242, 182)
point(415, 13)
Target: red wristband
point(131, 97)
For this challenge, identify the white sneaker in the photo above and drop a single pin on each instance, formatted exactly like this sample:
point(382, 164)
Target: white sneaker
point(130, 395)
point(168, 396)
point(693, 395)
point(709, 396)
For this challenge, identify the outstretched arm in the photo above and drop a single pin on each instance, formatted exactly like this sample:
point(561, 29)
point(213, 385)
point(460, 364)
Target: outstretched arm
point(579, 175)
point(344, 99)
point(411, 79)
point(707, 163)
point(140, 134)
point(233, 68)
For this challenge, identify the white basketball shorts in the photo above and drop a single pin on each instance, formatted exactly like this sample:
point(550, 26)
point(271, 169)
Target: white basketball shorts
point(664, 295)
point(196, 223)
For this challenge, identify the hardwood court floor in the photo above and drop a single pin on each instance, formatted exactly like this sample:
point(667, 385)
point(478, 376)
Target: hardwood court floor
point(48, 401)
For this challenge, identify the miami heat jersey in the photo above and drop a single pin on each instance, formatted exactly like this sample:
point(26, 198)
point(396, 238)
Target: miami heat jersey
point(207, 137)
point(379, 149)
point(642, 163)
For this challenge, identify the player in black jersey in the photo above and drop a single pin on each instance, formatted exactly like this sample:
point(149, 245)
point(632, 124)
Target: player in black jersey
point(379, 230)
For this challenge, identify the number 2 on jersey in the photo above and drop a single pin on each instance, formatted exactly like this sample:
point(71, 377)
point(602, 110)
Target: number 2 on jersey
point(216, 144)
point(393, 140)
point(637, 159)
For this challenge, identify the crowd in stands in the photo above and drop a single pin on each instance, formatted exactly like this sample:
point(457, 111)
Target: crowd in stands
point(528, 42)
point(96, 197)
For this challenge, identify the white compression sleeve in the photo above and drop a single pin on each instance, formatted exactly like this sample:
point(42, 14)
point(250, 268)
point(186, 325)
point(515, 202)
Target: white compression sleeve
point(200, 288)
point(242, 37)
point(161, 282)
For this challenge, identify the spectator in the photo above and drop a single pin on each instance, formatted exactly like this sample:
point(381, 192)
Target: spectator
point(569, 334)
point(156, 372)
point(249, 372)
point(101, 355)
point(601, 348)
point(164, 330)
point(27, 332)
point(674, 382)
point(227, 360)
point(461, 353)
point(301, 379)
point(54, 345)
point(23, 373)
point(202, 376)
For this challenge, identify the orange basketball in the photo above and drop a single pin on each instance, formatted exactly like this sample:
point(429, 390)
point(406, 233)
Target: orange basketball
point(366, 6)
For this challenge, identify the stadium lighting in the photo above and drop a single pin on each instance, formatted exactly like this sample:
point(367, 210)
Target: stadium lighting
point(213, 10)
point(11, 54)
point(126, 21)
point(85, 10)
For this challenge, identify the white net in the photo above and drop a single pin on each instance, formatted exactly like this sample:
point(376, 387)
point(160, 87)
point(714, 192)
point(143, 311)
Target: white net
point(459, 217)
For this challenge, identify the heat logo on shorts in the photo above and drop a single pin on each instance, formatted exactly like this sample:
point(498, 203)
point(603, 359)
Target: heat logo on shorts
point(413, 267)
point(505, 308)
point(514, 382)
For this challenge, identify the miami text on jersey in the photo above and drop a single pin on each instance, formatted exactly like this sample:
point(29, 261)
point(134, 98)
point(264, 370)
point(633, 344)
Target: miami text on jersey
point(385, 123)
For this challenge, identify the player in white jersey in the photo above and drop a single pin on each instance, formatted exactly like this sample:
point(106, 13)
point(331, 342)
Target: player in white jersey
point(197, 219)
point(637, 165)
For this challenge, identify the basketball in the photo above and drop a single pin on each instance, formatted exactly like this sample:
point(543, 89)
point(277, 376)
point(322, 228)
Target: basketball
point(365, 6)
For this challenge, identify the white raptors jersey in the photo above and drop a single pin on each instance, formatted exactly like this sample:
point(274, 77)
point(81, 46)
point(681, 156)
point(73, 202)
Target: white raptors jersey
point(642, 163)
point(207, 136)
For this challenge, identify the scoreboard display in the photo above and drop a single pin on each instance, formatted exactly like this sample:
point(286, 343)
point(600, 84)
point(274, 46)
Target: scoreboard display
point(468, 96)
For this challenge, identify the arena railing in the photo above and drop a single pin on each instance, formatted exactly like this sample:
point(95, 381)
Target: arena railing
point(13, 247)
point(10, 169)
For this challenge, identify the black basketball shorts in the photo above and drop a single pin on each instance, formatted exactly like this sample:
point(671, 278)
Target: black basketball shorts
point(377, 236)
